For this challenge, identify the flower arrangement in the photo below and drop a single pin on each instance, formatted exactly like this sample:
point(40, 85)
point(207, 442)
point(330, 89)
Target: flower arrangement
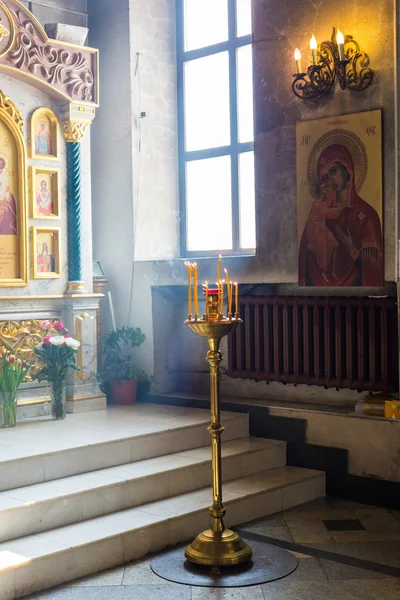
point(57, 352)
point(12, 373)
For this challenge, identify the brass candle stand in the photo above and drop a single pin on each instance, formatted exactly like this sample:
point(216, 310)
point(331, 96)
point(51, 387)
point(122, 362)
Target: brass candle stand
point(217, 546)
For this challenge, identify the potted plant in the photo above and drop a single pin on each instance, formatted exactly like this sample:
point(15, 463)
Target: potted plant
point(120, 376)
point(58, 352)
point(12, 373)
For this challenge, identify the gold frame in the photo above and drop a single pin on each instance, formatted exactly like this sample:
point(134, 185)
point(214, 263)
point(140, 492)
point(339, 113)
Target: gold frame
point(55, 133)
point(34, 173)
point(11, 117)
point(57, 258)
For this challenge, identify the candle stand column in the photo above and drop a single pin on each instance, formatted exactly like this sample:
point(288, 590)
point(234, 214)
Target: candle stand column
point(216, 546)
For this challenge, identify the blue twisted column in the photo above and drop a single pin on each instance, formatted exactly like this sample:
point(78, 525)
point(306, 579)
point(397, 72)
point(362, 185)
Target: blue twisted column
point(73, 134)
point(74, 193)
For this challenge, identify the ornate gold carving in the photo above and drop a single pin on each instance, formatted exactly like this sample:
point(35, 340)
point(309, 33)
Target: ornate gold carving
point(3, 31)
point(76, 287)
point(10, 108)
point(66, 67)
point(74, 132)
point(20, 337)
point(7, 29)
point(78, 327)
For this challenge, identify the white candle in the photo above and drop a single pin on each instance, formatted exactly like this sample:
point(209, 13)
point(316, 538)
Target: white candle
point(340, 43)
point(313, 48)
point(297, 58)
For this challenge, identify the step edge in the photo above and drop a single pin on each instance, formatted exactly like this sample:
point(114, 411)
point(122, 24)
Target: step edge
point(160, 519)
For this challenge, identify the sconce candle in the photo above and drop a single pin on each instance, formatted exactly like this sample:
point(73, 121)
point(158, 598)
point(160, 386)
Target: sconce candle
point(313, 48)
point(297, 58)
point(340, 43)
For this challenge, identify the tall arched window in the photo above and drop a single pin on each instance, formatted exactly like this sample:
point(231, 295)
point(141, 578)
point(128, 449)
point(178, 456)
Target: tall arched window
point(215, 101)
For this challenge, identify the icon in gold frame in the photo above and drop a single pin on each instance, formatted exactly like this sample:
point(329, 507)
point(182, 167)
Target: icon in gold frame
point(46, 260)
point(45, 135)
point(45, 193)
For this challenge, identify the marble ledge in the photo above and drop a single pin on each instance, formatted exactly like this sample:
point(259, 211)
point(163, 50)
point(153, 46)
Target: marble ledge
point(49, 297)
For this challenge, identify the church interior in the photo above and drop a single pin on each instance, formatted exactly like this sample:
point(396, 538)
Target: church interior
point(199, 322)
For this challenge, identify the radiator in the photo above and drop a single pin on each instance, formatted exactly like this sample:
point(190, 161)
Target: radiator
point(331, 342)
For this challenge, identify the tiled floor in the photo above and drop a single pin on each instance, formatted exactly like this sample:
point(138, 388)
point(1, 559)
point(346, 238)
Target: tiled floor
point(348, 564)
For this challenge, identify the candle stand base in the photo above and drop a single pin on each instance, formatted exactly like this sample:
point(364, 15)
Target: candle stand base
point(268, 564)
point(218, 549)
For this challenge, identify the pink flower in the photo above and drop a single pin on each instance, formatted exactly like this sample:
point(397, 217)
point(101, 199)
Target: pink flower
point(66, 335)
point(11, 359)
point(45, 325)
point(59, 325)
point(3, 352)
point(46, 340)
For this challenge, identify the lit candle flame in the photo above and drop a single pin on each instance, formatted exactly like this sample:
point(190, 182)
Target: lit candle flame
point(313, 43)
point(340, 37)
point(297, 54)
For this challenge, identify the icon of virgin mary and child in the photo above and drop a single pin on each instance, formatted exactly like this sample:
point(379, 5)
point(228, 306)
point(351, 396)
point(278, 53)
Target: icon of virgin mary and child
point(342, 240)
point(8, 210)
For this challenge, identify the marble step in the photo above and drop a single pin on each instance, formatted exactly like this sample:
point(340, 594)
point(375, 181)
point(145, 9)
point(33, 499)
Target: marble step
point(34, 563)
point(36, 508)
point(34, 452)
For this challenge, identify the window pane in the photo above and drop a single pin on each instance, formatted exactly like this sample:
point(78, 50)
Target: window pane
point(207, 120)
point(247, 200)
point(245, 93)
point(208, 201)
point(243, 17)
point(206, 23)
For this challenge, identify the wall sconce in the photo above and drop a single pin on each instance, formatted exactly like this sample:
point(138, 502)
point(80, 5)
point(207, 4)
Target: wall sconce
point(338, 60)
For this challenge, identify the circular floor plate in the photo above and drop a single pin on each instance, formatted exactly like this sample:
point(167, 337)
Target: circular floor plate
point(268, 564)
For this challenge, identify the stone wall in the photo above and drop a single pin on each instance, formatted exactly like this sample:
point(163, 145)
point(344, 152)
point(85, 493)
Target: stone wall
point(278, 29)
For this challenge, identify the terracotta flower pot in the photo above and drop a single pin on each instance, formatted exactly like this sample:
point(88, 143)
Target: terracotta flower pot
point(123, 392)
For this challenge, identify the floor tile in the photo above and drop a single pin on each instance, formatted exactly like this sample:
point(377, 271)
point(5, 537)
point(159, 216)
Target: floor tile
point(243, 593)
point(307, 532)
point(308, 570)
point(385, 553)
point(131, 592)
point(332, 590)
point(105, 578)
point(139, 573)
point(279, 533)
point(343, 525)
point(365, 536)
point(377, 519)
point(335, 570)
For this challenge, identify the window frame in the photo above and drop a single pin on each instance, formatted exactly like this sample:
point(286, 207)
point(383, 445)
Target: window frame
point(233, 150)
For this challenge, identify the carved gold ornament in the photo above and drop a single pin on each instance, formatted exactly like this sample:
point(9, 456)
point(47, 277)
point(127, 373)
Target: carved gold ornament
point(10, 108)
point(7, 29)
point(74, 132)
point(4, 32)
point(20, 337)
point(67, 67)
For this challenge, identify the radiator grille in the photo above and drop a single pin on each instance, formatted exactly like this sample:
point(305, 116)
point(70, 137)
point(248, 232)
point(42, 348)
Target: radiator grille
point(332, 342)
